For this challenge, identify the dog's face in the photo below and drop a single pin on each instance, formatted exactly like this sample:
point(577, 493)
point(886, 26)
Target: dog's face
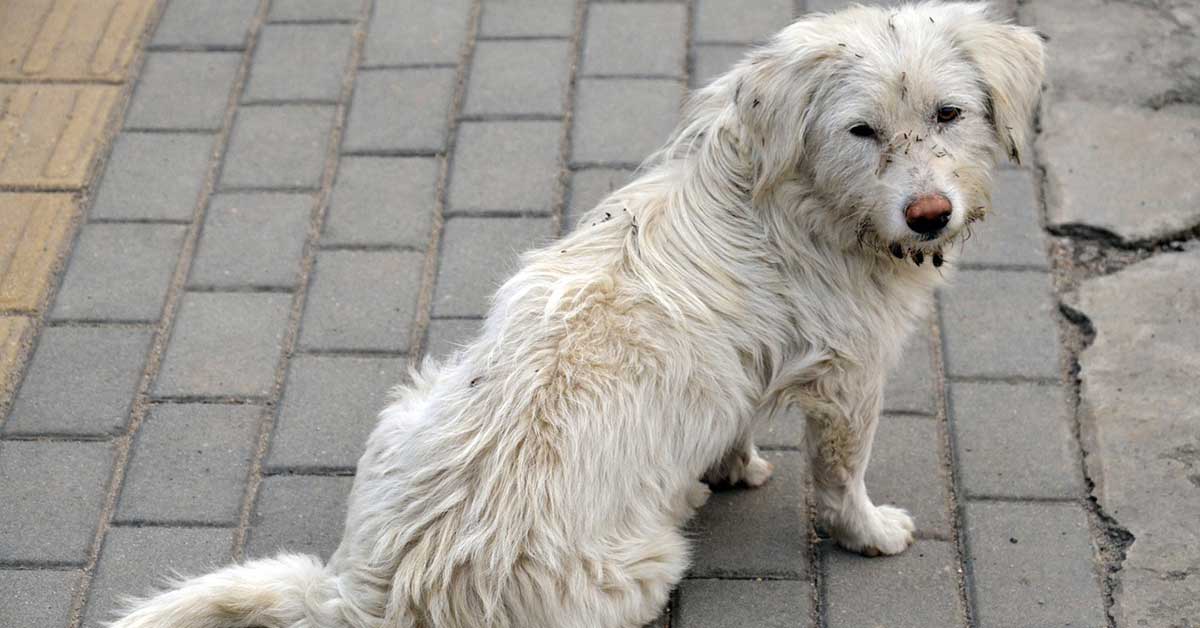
point(893, 117)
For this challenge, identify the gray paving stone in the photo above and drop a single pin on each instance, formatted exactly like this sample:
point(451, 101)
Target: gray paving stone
point(299, 513)
point(315, 9)
point(278, 147)
point(138, 561)
point(299, 62)
point(993, 420)
point(1011, 235)
point(400, 110)
point(81, 381)
point(224, 344)
point(119, 272)
point(635, 39)
point(1150, 193)
point(786, 430)
point(417, 31)
point(1139, 409)
point(1032, 566)
point(195, 23)
point(447, 335)
point(739, 603)
point(527, 18)
point(733, 21)
point(362, 300)
point(183, 90)
point(906, 470)
point(153, 176)
point(36, 597)
point(912, 385)
point(713, 60)
point(189, 465)
point(759, 532)
point(385, 201)
point(507, 166)
point(917, 589)
point(58, 531)
point(518, 77)
point(1152, 46)
point(588, 188)
point(477, 255)
point(330, 405)
point(252, 240)
point(1000, 324)
point(623, 120)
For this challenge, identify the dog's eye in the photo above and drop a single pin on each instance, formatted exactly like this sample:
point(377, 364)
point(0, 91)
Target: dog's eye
point(862, 130)
point(948, 114)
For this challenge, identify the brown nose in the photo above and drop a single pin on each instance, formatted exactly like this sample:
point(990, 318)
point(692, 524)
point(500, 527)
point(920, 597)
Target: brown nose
point(928, 214)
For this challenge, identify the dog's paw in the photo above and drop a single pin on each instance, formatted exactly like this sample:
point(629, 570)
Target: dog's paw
point(752, 471)
point(698, 495)
point(757, 471)
point(885, 531)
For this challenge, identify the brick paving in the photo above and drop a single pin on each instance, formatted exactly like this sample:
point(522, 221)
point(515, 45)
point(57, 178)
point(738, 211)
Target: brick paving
point(209, 362)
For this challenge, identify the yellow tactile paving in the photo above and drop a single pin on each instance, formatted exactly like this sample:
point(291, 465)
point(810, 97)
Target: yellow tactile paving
point(13, 330)
point(51, 134)
point(79, 40)
point(33, 231)
point(63, 66)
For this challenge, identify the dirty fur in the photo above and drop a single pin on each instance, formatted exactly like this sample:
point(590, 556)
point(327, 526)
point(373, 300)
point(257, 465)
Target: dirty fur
point(540, 476)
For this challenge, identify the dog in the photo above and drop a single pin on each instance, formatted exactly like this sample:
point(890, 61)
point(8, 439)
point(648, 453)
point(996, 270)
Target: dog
point(777, 250)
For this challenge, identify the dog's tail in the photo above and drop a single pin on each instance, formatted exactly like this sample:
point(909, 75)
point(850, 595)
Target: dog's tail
point(288, 590)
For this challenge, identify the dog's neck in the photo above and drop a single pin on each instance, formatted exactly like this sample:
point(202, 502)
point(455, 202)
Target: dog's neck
point(791, 251)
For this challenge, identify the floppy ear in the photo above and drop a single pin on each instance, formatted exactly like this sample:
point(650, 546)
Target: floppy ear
point(1011, 62)
point(773, 96)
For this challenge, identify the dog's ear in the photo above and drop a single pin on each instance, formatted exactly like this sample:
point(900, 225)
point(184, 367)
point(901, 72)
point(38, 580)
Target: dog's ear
point(1011, 62)
point(773, 96)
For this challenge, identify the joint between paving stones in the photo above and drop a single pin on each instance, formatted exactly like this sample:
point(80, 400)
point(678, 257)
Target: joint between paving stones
point(955, 500)
point(65, 81)
point(142, 402)
point(433, 249)
point(220, 400)
point(523, 38)
point(138, 221)
point(1111, 539)
point(56, 437)
point(308, 261)
point(246, 289)
point(354, 353)
point(195, 48)
point(379, 67)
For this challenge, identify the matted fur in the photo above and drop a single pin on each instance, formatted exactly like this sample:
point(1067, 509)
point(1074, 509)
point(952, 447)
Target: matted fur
point(539, 478)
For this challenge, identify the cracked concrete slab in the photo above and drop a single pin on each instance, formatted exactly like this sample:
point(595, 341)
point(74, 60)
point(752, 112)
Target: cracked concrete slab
point(1137, 51)
point(1125, 170)
point(1140, 410)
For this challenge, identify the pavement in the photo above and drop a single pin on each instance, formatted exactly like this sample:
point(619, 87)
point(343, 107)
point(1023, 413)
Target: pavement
point(200, 199)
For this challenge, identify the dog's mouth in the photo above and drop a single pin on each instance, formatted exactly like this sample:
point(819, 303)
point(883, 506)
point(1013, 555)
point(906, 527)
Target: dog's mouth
point(917, 249)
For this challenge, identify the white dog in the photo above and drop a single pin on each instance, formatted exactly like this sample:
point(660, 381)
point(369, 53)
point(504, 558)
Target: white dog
point(778, 250)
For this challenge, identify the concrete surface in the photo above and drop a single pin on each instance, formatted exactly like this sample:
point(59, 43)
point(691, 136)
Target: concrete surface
point(209, 291)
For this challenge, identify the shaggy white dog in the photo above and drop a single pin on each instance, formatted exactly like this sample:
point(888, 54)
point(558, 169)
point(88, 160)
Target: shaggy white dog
point(778, 250)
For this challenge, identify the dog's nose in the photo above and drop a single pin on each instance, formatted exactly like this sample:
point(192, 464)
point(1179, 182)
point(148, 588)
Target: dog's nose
point(928, 214)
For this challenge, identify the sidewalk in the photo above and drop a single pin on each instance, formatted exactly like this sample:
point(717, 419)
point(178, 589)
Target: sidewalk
point(193, 382)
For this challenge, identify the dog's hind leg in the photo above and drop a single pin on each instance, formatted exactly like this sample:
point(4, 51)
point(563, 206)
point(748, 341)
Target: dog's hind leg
point(841, 412)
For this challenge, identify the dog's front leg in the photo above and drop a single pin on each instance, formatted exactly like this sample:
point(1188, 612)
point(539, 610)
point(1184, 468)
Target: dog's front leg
point(741, 465)
point(841, 411)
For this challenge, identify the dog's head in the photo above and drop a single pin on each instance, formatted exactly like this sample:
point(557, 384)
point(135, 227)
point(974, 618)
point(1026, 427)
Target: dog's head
point(892, 117)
